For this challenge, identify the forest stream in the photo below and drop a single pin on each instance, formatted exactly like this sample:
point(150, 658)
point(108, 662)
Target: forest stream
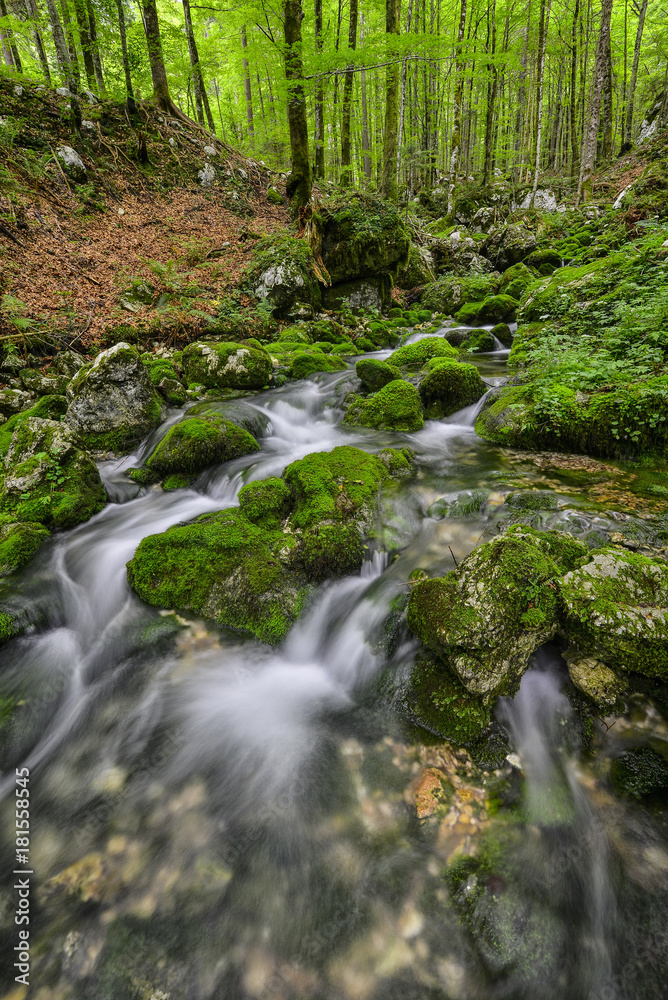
point(217, 818)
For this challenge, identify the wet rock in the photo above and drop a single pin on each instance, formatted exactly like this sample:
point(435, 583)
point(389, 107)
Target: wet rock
point(486, 618)
point(364, 293)
point(449, 386)
point(72, 163)
point(639, 772)
point(195, 443)
point(395, 407)
point(468, 503)
point(112, 403)
point(282, 274)
point(604, 686)
point(18, 544)
point(225, 364)
point(374, 374)
point(415, 356)
point(508, 245)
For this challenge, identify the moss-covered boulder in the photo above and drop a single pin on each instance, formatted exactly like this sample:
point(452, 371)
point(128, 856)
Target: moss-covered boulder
point(43, 385)
point(545, 261)
point(467, 503)
point(639, 772)
point(449, 386)
point(198, 442)
point(374, 374)
point(282, 274)
point(516, 280)
point(616, 610)
point(250, 568)
point(436, 700)
point(494, 309)
point(414, 356)
point(111, 403)
point(395, 407)
point(450, 293)
point(362, 238)
point(478, 342)
point(485, 619)
point(304, 364)
point(225, 365)
point(47, 478)
point(18, 544)
point(363, 294)
point(418, 269)
point(508, 245)
point(47, 408)
point(165, 378)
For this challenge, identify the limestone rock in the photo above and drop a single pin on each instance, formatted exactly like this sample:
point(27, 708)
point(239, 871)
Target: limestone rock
point(362, 239)
point(508, 245)
point(13, 401)
point(604, 686)
point(72, 164)
point(207, 175)
point(225, 364)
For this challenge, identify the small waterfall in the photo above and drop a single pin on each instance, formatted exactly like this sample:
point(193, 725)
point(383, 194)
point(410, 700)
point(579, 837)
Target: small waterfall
point(468, 415)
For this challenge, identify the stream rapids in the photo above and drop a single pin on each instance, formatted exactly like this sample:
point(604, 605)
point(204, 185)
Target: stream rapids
point(213, 819)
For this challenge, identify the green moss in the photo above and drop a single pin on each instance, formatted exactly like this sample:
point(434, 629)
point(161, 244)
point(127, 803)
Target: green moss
point(516, 280)
point(282, 272)
point(451, 292)
point(479, 342)
point(364, 237)
point(18, 544)
point(266, 502)
point(47, 408)
point(304, 365)
point(502, 332)
point(545, 262)
point(178, 481)
point(416, 355)
point(225, 364)
point(330, 550)
point(449, 386)
point(294, 335)
point(374, 374)
point(198, 442)
point(469, 503)
point(437, 701)
point(395, 407)
point(639, 772)
point(532, 500)
point(468, 314)
point(494, 309)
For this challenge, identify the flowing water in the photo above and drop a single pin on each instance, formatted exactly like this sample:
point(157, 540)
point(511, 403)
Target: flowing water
point(211, 818)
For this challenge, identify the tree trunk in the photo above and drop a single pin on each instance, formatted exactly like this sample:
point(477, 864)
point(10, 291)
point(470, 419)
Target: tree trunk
point(82, 22)
point(62, 55)
point(389, 185)
point(69, 33)
point(195, 70)
point(455, 148)
point(299, 183)
point(591, 133)
point(402, 109)
point(39, 44)
point(95, 48)
point(247, 87)
point(542, 44)
point(606, 148)
point(491, 100)
point(573, 103)
point(346, 170)
point(634, 75)
point(129, 93)
point(319, 171)
point(156, 58)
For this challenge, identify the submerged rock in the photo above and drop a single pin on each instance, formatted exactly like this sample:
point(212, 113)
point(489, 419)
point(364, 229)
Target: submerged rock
point(112, 403)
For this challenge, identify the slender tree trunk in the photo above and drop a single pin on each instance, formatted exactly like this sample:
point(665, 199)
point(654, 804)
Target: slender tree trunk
point(404, 74)
point(389, 184)
point(156, 57)
point(95, 48)
point(195, 71)
point(129, 93)
point(319, 171)
point(606, 147)
point(31, 10)
point(82, 22)
point(15, 59)
point(634, 75)
point(247, 87)
point(346, 170)
point(299, 183)
point(573, 102)
point(491, 99)
point(542, 44)
point(62, 55)
point(69, 33)
point(455, 146)
point(366, 144)
point(591, 134)
point(523, 102)
point(622, 116)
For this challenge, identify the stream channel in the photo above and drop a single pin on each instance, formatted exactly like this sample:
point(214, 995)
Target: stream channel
point(213, 819)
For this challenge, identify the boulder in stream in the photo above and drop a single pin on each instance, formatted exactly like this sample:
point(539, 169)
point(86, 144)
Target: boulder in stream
point(198, 442)
point(395, 407)
point(449, 386)
point(112, 404)
point(225, 365)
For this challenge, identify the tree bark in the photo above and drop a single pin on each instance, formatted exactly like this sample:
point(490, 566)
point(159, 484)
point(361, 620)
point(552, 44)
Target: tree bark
point(573, 102)
point(156, 57)
point(69, 33)
point(319, 171)
point(195, 68)
point(389, 184)
point(129, 93)
point(82, 22)
point(62, 55)
point(634, 76)
point(542, 44)
point(591, 133)
point(366, 144)
point(31, 10)
point(299, 183)
point(95, 48)
point(491, 100)
point(455, 148)
point(247, 86)
point(402, 107)
point(606, 147)
point(346, 171)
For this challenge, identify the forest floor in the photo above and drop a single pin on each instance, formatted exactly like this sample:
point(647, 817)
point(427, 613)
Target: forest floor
point(68, 251)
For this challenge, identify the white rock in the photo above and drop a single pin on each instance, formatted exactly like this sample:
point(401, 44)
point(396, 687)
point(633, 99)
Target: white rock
point(242, 173)
point(89, 126)
point(172, 142)
point(18, 90)
point(544, 200)
point(207, 175)
point(90, 96)
point(72, 162)
point(63, 91)
point(210, 151)
point(620, 197)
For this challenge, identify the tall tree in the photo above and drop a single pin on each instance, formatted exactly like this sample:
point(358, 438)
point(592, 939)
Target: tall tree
point(346, 171)
point(95, 48)
point(573, 100)
point(201, 96)
point(129, 92)
point(628, 119)
point(319, 171)
point(491, 97)
point(298, 187)
point(62, 55)
point(8, 40)
point(31, 11)
point(75, 72)
point(81, 14)
point(389, 183)
point(456, 142)
point(247, 85)
point(590, 137)
point(540, 84)
point(156, 58)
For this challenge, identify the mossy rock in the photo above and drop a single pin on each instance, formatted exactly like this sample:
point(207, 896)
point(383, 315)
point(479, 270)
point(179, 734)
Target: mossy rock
point(450, 293)
point(44, 385)
point(508, 245)
point(468, 503)
point(282, 274)
point(494, 309)
point(532, 500)
point(516, 280)
point(266, 502)
point(363, 238)
point(48, 479)
point(449, 386)
point(47, 408)
point(195, 443)
point(304, 365)
point(545, 262)
point(485, 619)
point(615, 609)
point(395, 407)
point(112, 403)
point(294, 335)
point(415, 356)
point(503, 333)
point(639, 772)
point(382, 334)
point(226, 365)
point(479, 342)
point(418, 270)
point(374, 374)
point(436, 700)
point(165, 379)
point(329, 550)
point(18, 544)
